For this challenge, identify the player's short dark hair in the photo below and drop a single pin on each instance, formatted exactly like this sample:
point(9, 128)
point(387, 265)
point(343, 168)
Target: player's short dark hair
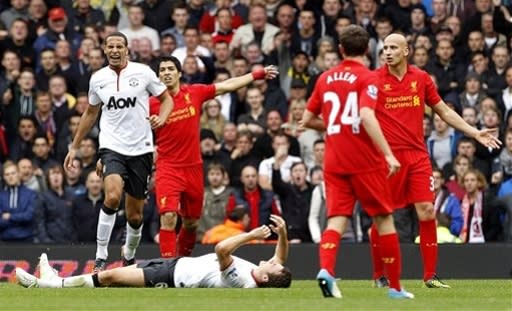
point(354, 40)
point(281, 279)
point(117, 34)
point(172, 59)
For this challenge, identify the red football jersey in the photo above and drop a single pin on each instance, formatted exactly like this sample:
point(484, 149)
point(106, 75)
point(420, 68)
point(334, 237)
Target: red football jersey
point(178, 140)
point(401, 105)
point(338, 95)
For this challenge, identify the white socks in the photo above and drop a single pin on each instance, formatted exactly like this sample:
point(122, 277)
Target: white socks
point(73, 281)
point(132, 241)
point(105, 226)
point(78, 281)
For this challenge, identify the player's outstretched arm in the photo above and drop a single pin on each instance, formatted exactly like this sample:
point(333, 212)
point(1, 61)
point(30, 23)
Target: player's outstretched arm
point(279, 228)
point(485, 137)
point(372, 127)
point(225, 248)
point(84, 127)
point(233, 84)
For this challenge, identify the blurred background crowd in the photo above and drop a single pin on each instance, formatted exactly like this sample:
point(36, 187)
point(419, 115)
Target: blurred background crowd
point(50, 48)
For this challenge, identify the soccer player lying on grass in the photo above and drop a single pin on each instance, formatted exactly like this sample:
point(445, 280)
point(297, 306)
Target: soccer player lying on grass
point(220, 269)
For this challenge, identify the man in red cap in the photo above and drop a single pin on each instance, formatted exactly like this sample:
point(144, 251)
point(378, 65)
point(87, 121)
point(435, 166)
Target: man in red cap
point(57, 30)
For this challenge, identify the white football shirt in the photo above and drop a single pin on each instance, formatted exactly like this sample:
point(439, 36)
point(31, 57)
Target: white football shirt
point(267, 165)
point(124, 127)
point(203, 271)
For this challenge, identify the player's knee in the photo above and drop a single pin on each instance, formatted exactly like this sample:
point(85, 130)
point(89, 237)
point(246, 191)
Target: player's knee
point(425, 211)
point(168, 220)
point(135, 219)
point(106, 278)
point(112, 199)
point(190, 224)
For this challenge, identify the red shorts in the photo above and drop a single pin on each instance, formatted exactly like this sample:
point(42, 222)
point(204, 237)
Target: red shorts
point(180, 190)
point(370, 189)
point(414, 182)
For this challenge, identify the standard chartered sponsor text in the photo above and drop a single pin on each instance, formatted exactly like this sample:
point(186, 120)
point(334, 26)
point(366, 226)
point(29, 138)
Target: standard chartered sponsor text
point(395, 102)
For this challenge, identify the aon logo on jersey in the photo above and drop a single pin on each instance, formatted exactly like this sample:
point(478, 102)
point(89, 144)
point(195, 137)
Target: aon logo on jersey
point(121, 103)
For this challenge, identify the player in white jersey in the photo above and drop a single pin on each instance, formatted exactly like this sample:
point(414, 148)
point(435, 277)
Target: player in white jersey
point(121, 91)
point(221, 269)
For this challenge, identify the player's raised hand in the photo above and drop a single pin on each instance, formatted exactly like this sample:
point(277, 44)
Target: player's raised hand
point(271, 72)
point(260, 233)
point(393, 165)
point(487, 137)
point(155, 121)
point(279, 226)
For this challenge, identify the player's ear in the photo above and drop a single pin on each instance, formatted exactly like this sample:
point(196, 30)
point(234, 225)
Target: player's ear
point(264, 278)
point(341, 50)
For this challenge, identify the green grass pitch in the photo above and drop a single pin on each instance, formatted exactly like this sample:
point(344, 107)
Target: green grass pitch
point(303, 295)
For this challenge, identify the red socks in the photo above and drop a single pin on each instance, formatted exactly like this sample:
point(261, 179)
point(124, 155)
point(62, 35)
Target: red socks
point(428, 247)
point(186, 242)
point(328, 250)
point(378, 265)
point(167, 243)
point(390, 256)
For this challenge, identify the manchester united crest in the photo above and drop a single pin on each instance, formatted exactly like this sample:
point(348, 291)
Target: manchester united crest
point(133, 82)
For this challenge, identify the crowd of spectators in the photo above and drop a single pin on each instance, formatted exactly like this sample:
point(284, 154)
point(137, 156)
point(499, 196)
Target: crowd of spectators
point(257, 160)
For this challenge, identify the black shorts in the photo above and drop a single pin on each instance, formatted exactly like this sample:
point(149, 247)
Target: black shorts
point(135, 170)
point(158, 272)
